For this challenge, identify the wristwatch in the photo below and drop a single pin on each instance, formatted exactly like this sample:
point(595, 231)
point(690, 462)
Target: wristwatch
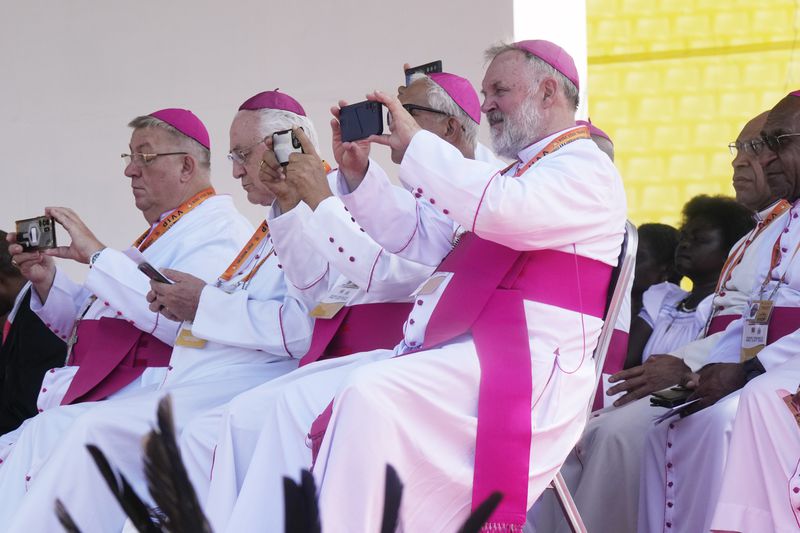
point(94, 257)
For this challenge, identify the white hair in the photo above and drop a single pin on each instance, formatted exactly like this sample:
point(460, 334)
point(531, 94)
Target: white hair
point(439, 99)
point(200, 152)
point(272, 120)
point(539, 70)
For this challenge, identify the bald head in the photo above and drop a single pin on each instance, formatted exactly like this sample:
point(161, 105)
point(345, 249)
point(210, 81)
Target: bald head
point(780, 157)
point(749, 180)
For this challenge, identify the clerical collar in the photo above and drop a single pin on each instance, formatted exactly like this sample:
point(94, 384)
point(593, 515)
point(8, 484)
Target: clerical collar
point(527, 153)
point(761, 215)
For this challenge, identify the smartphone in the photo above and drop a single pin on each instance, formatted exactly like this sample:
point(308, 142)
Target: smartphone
point(670, 398)
point(284, 143)
point(359, 121)
point(152, 272)
point(37, 233)
point(427, 68)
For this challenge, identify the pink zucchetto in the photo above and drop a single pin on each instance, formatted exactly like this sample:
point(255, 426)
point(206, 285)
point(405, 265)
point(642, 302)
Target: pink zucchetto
point(461, 91)
point(273, 100)
point(185, 122)
point(794, 93)
point(553, 55)
point(594, 130)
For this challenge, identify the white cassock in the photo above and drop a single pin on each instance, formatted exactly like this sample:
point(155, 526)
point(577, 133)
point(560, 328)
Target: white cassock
point(612, 445)
point(200, 243)
point(254, 330)
point(327, 248)
point(418, 413)
point(760, 489)
point(684, 459)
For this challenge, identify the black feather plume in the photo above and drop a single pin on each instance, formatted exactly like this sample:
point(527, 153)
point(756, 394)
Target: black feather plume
point(66, 520)
point(393, 494)
point(481, 515)
point(133, 506)
point(167, 479)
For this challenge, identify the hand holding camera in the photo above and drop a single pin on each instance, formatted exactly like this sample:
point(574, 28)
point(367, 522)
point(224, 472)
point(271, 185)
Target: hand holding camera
point(273, 175)
point(402, 129)
point(306, 172)
point(35, 266)
point(83, 244)
point(352, 158)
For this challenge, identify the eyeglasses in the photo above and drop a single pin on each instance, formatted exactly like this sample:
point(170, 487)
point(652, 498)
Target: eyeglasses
point(776, 142)
point(414, 107)
point(240, 156)
point(752, 146)
point(141, 160)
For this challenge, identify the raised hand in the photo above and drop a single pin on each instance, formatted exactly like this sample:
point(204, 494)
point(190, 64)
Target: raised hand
point(83, 244)
point(306, 172)
point(273, 176)
point(351, 157)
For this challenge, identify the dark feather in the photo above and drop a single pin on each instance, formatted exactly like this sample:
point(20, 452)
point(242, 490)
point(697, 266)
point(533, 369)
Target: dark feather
point(481, 515)
point(300, 505)
point(133, 506)
point(66, 520)
point(167, 478)
point(393, 494)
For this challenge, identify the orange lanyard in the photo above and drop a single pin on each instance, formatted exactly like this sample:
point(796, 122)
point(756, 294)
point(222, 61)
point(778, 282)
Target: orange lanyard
point(249, 249)
point(152, 235)
point(582, 132)
point(736, 256)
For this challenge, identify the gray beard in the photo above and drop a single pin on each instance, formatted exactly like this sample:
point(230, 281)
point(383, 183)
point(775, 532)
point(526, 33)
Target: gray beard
point(519, 129)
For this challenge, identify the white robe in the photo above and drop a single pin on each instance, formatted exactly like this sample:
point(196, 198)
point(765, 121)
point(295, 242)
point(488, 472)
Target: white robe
point(612, 445)
point(253, 335)
point(684, 459)
point(320, 250)
point(760, 489)
point(418, 412)
point(200, 243)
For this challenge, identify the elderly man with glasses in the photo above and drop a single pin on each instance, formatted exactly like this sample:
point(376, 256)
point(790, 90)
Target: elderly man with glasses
point(684, 459)
point(232, 329)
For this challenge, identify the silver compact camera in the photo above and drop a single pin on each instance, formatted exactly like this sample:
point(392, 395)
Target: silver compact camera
point(36, 233)
point(284, 143)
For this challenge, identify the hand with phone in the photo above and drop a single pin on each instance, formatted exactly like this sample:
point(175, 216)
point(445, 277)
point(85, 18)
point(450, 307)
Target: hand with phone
point(401, 130)
point(273, 175)
point(306, 172)
point(352, 158)
point(36, 267)
point(178, 301)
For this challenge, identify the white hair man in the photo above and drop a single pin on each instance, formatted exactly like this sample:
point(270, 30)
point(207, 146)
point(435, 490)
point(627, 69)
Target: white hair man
point(237, 330)
point(533, 220)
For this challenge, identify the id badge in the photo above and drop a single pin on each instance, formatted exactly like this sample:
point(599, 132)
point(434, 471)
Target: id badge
point(756, 327)
point(185, 338)
point(335, 300)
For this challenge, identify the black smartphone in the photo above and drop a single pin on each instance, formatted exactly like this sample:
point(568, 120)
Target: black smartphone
point(359, 121)
point(670, 398)
point(152, 272)
point(427, 68)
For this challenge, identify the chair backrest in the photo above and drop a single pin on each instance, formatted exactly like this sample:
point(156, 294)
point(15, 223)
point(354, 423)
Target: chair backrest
point(620, 279)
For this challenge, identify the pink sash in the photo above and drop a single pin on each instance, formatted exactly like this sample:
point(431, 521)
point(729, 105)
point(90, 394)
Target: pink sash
point(110, 354)
point(784, 320)
point(720, 323)
point(357, 329)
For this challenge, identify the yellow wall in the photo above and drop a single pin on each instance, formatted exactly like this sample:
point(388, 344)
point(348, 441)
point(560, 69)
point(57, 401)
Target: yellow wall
point(673, 82)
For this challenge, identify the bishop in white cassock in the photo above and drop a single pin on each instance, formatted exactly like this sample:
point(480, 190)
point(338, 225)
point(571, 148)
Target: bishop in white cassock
point(684, 459)
point(373, 284)
point(562, 200)
point(612, 444)
point(234, 334)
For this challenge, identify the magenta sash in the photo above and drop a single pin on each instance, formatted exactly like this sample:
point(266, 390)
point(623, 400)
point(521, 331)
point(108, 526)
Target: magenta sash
point(486, 296)
point(615, 361)
point(356, 329)
point(111, 353)
point(784, 320)
point(720, 323)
